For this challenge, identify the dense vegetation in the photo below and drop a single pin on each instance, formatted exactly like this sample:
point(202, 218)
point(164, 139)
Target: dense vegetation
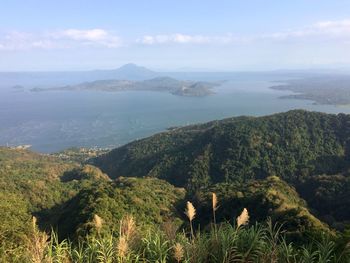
point(289, 170)
point(291, 145)
point(152, 200)
point(65, 196)
point(29, 182)
point(238, 242)
point(299, 147)
point(269, 198)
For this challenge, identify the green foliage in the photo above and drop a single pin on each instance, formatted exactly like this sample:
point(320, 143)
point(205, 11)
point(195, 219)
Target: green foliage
point(291, 145)
point(329, 195)
point(296, 146)
point(265, 164)
point(151, 200)
point(259, 243)
point(33, 184)
point(34, 177)
point(271, 197)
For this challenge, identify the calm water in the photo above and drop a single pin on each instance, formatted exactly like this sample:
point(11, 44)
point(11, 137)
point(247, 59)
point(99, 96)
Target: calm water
point(52, 121)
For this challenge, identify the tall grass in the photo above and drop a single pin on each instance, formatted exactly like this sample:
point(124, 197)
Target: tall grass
point(261, 243)
point(190, 213)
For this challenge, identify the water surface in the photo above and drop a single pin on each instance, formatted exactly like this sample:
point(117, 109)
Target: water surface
point(52, 121)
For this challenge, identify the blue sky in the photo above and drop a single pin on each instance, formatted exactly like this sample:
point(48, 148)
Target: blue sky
point(171, 35)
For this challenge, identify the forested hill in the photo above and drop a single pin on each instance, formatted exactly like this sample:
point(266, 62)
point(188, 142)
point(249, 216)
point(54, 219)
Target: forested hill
point(292, 145)
point(290, 167)
point(308, 150)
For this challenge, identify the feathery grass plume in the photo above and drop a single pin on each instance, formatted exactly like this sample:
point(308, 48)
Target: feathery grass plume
point(37, 243)
point(190, 213)
point(34, 222)
point(215, 207)
point(97, 222)
point(122, 247)
point(127, 226)
point(215, 202)
point(243, 219)
point(178, 252)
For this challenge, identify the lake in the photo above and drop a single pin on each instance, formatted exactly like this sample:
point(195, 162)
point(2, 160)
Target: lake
point(55, 120)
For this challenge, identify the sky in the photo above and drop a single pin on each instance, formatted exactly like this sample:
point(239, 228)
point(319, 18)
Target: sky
point(42, 35)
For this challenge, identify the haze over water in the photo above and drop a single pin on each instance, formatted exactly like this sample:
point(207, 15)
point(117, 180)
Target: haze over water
point(55, 120)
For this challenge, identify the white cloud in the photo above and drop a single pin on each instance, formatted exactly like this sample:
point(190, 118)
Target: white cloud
point(99, 37)
point(173, 38)
point(22, 41)
point(69, 38)
point(334, 27)
point(339, 30)
point(90, 35)
point(325, 29)
point(190, 39)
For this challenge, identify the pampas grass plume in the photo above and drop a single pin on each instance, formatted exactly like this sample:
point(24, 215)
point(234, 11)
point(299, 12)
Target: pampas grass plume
point(215, 201)
point(98, 222)
point(127, 226)
point(243, 219)
point(178, 252)
point(122, 246)
point(190, 211)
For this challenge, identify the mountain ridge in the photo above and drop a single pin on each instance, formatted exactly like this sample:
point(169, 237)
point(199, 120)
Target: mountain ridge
point(297, 146)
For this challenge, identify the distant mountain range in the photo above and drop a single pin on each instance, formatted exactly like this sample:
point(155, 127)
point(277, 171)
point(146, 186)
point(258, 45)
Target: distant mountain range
point(128, 71)
point(132, 72)
point(323, 87)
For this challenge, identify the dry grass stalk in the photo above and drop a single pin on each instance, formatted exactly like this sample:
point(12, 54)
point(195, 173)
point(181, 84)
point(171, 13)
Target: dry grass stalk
point(243, 219)
point(215, 207)
point(37, 244)
point(215, 202)
point(190, 213)
point(122, 246)
point(127, 236)
point(98, 223)
point(127, 227)
point(178, 252)
point(34, 223)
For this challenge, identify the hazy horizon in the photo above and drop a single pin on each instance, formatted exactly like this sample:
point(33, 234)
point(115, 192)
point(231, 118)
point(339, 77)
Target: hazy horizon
point(159, 69)
point(164, 36)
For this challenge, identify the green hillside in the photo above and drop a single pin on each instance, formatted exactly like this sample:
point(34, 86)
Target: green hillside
point(152, 201)
point(298, 146)
point(268, 198)
point(291, 167)
point(292, 146)
point(35, 184)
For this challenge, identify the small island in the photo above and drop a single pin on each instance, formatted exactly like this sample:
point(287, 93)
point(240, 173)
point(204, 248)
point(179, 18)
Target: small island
point(160, 84)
